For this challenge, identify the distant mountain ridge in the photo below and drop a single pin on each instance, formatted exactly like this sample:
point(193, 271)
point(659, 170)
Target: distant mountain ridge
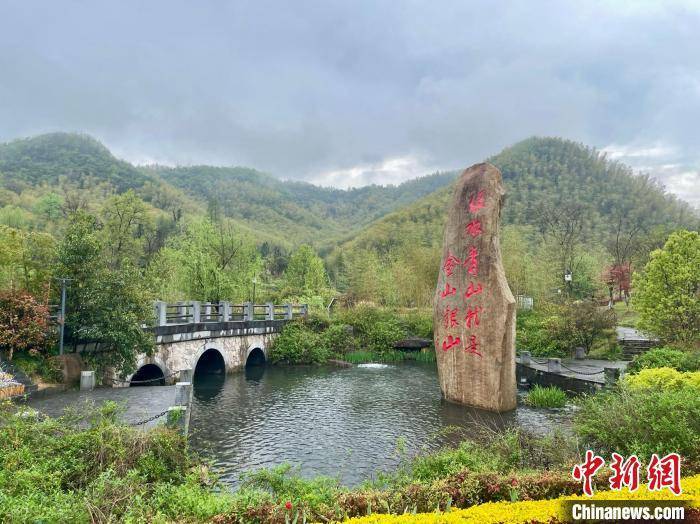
point(537, 172)
point(315, 214)
point(290, 211)
point(44, 159)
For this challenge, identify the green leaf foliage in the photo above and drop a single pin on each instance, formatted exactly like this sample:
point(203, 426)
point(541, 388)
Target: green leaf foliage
point(667, 293)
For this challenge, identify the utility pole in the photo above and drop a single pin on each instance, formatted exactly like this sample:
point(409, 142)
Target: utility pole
point(62, 317)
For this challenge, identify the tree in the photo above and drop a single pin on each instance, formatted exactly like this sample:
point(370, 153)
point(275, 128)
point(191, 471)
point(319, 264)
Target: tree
point(106, 306)
point(305, 274)
point(563, 225)
point(126, 225)
point(24, 323)
point(49, 207)
point(26, 259)
point(206, 261)
point(584, 322)
point(667, 291)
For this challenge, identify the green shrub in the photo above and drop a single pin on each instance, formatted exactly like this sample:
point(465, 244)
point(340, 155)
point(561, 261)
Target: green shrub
point(297, 344)
point(663, 378)
point(418, 323)
point(55, 471)
point(317, 321)
point(375, 329)
point(40, 365)
point(533, 333)
point(338, 339)
point(556, 329)
point(666, 357)
point(284, 483)
point(546, 397)
point(645, 421)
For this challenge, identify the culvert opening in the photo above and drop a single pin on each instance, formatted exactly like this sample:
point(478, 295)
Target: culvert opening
point(210, 363)
point(256, 358)
point(148, 375)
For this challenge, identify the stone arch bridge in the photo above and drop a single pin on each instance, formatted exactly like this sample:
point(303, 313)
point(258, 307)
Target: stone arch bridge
point(209, 337)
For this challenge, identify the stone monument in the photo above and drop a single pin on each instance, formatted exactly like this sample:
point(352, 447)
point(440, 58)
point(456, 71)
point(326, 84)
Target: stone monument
point(474, 309)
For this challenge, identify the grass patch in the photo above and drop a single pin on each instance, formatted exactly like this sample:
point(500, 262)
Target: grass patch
point(626, 315)
point(364, 357)
point(546, 397)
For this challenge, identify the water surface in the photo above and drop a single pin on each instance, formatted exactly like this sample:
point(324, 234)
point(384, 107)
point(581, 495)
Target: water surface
point(341, 422)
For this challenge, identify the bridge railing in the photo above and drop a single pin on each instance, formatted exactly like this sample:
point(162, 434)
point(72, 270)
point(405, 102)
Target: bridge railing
point(198, 312)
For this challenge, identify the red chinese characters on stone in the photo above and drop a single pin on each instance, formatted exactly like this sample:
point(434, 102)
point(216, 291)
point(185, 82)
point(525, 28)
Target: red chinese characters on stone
point(449, 290)
point(450, 263)
point(472, 317)
point(476, 202)
point(472, 346)
point(472, 261)
point(625, 472)
point(473, 228)
point(471, 290)
point(450, 342)
point(584, 472)
point(449, 317)
point(665, 473)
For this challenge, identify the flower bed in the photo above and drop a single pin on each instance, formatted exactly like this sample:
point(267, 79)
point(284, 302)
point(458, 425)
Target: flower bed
point(532, 511)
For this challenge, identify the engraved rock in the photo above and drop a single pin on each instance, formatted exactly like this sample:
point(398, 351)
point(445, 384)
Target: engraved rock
point(474, 309)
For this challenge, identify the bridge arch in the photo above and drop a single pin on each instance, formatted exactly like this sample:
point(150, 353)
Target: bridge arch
point(255, 356)
point(209, 360)
point(150, 369)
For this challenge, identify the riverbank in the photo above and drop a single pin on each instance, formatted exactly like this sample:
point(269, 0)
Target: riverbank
point(54, 471)
point(358, 335)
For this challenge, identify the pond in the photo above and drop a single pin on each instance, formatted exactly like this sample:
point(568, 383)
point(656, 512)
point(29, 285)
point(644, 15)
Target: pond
point(340, 422)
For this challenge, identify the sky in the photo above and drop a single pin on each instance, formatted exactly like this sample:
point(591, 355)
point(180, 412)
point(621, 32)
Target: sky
point(350, 93)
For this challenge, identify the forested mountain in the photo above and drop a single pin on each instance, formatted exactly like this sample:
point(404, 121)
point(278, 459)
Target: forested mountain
point(79, 169)
point(295, 211)
point(544, 175)
point(51, 158)
point(566, 207)
point(208, 231)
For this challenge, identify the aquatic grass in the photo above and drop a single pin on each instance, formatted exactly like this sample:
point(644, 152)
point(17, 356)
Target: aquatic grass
point(546, 397)
point(364, 357)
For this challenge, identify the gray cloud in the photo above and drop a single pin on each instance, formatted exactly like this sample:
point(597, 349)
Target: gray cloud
point(356, 92)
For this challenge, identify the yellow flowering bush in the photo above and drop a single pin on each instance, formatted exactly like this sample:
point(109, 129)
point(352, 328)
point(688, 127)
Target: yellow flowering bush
point(663, 379)
point(531, 511)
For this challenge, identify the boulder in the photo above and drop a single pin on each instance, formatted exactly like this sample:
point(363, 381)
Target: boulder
point(474, 309)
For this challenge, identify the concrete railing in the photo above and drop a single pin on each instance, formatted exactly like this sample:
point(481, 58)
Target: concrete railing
point(193, 312)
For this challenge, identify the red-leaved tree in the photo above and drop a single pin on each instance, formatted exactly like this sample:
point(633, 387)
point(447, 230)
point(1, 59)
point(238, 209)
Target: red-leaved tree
point(24, 323)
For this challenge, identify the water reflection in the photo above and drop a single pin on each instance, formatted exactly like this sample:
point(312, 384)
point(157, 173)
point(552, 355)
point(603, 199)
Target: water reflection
point(254, 373)
point(208, 387)
point(341, 422)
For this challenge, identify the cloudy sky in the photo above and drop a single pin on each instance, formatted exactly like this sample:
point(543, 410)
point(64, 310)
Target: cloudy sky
point(355, 92)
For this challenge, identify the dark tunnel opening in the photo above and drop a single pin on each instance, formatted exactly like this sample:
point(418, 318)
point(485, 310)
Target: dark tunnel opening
point(148, 375)
point(210, 363)
point(256, 358)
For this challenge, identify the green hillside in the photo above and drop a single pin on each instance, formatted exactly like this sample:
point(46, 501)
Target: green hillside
point(552, 185)
point(541, 173)
point(379, 243)
point(51, 158)
point(80, 172)
point(292, 210)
